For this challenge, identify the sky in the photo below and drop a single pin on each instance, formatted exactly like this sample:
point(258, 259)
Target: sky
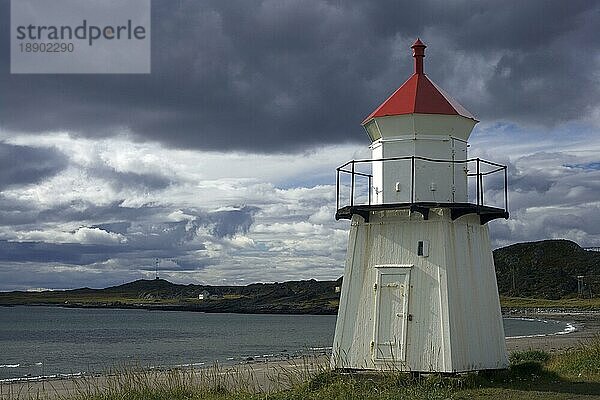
point(220, 164)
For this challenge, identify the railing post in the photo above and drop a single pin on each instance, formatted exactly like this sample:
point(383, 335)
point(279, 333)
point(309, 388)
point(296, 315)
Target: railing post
point(478, 176)
point(337, 189)
point(352, 187)
point(505, 189)
point(482, 190)
point(370, 186)
point(412, 179)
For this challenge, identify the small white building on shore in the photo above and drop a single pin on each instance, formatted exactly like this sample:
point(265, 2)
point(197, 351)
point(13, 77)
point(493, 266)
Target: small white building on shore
point(204, 295)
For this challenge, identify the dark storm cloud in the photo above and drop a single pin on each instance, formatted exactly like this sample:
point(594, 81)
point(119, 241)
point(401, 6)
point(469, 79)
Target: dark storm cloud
point(284, 76)
point(15, 212)
point(81, 210)
point(121, 180)
point(587, 166)
point(143, 239)
point(70, 253)
point(21, 165)
point(38, 276)
point(179, 264)
point(18, 213)
point(230, 222)
point(531, 182)
point(115, 227)
point(523, 181)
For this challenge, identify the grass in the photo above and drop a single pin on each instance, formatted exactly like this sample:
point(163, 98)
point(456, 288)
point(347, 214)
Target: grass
point(582, 363)
point(111, 299)
point(532, 374)
point(570, 303)
point(57, 299)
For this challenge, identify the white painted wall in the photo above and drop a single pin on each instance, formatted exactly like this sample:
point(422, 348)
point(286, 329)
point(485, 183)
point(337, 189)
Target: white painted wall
point(452, 295)
point(439, 182)
point(442, 137)
point(420, 124)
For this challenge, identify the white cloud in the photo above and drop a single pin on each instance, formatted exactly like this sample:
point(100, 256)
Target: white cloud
point(323, 215)
point(240, 242)
point(86, 235)
point(83, 235)
point(179, 215)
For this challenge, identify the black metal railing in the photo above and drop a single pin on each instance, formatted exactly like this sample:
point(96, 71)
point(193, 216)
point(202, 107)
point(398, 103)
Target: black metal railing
point(493, 175)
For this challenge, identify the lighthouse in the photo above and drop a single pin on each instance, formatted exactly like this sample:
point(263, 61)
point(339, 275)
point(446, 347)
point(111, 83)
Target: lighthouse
point(419, 291)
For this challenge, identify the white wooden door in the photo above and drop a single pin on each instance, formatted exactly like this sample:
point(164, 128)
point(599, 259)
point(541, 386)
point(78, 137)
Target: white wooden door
point(391, 313)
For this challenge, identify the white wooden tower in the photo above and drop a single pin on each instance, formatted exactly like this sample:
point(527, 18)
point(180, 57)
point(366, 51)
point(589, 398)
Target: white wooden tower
point(419, 290)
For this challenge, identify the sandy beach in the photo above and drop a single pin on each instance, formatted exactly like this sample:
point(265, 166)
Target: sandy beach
point(587, 324)
point(275, 375)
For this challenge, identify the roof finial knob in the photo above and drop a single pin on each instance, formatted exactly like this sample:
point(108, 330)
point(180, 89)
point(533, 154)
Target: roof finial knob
point(418, 53)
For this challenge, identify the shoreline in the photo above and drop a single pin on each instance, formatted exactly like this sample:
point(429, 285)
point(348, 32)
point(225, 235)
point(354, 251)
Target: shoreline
point(260, 310)
point(179, 307)
point(586, 325)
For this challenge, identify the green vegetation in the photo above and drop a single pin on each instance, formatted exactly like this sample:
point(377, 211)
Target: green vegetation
point(583, 363)
point(532, 374)
point(562, 304)
point(547, 270)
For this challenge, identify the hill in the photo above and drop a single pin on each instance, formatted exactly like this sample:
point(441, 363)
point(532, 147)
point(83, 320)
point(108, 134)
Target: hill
point(295, 297)
point(547, 269)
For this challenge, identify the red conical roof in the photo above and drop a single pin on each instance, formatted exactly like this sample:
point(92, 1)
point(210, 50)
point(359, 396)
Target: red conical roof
point(419, 95)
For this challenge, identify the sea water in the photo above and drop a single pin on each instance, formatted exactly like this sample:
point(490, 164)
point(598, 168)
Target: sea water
point(50, 341)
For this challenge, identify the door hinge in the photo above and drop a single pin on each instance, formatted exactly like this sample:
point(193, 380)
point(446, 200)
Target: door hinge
point(375, 287)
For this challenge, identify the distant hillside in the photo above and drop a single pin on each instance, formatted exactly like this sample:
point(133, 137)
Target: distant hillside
point(546, 269)
point(295, 297)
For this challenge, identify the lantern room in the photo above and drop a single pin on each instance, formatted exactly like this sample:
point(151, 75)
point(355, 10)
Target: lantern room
point(419, 119)
point(419, 140)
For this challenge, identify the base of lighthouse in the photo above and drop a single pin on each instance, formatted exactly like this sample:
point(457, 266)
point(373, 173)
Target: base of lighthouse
point(419, 295)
